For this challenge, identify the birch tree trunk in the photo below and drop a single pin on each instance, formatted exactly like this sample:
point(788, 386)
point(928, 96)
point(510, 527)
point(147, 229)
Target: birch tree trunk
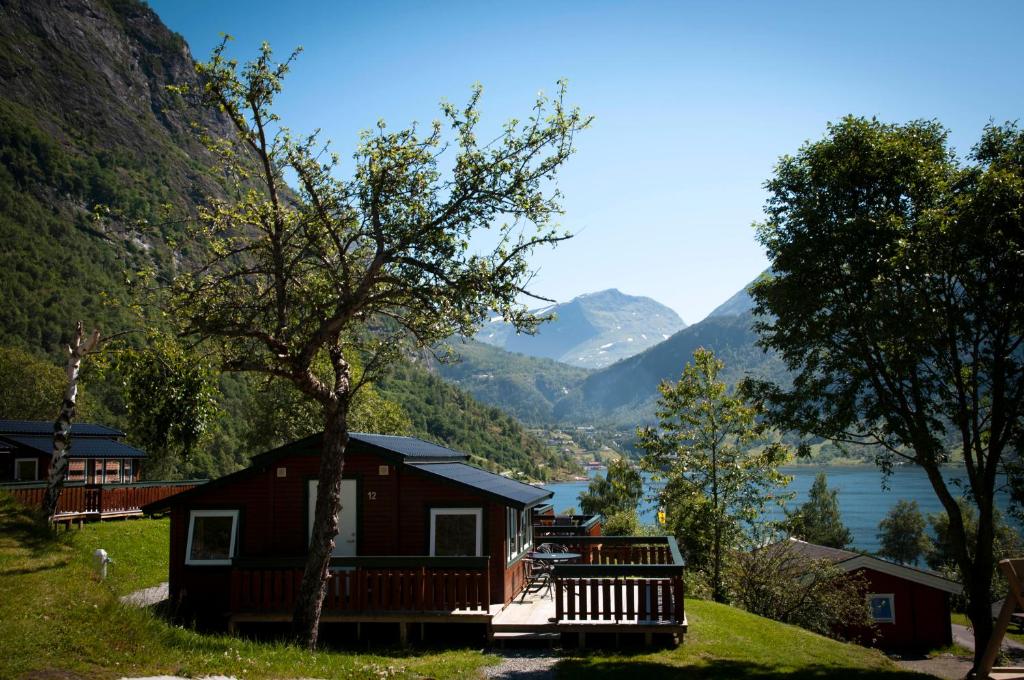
point(79, 347)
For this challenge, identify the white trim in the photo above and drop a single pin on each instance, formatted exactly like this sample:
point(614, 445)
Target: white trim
point(233, 514)
point(518, 533)
point(477, 512)
point(35, 473)
point(892, 607)
point(900, 571)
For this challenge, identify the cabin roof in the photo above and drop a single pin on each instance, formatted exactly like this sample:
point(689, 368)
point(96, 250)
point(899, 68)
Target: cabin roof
point(45, 427)
point(432, 459)
point(848, 561)
point(82, 447)
point(511, 491)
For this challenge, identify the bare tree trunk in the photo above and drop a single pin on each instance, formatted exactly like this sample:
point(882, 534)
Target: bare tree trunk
point(79, 347)
point(306, 616)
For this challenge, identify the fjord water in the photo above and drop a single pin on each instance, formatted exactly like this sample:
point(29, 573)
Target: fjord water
point(863, 501)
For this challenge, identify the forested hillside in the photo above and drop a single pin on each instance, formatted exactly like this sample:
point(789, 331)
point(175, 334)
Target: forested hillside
point(99, 170)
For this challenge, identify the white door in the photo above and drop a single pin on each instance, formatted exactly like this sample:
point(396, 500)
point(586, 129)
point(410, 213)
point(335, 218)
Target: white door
point(345, 541)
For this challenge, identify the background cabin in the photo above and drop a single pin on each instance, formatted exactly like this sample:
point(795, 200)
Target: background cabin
point(97, 456)
point(910, 606)
point(421, 530)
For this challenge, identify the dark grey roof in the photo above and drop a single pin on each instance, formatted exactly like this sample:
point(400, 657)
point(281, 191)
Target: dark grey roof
point(408, 447)
point(819, 552)
point(45, 427)
point(511, 491)
point(85, 447)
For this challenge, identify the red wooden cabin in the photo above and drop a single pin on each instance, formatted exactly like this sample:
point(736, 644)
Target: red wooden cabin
point(97, 454)
point(421, 531)
point(910, 606)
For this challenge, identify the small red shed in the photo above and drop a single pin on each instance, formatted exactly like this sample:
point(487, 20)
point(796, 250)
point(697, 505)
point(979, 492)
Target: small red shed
point(910, 606)
point(421, 532)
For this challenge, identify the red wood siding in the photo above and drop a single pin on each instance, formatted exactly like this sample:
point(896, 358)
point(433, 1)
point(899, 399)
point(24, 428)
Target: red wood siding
point(393, 516)
point(921, 613)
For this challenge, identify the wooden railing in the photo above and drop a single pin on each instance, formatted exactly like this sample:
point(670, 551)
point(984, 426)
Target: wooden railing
point(634, 579)
point(367, 584)
point(565, 525)
point(98, 499)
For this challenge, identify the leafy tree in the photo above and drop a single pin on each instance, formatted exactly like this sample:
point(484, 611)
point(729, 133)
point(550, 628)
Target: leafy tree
point(31, 387)
point(901, 533)
point(778, 582)
point(362, 266)
point(894, 300)
point(618, 491)
point(818, 520)
point(703, 449)
point(941, 555)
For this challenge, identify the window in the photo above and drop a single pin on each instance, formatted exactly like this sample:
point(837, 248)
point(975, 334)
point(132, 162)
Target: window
point(76, 470)
point(112, 472)
point(128, 466)
point(211, 537)
point(883, 609)
point(26, 469)
point(455, 531)
point(518, 532)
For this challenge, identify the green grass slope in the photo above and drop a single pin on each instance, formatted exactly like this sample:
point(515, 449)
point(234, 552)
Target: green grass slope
point(57, 621)
point(725, 642)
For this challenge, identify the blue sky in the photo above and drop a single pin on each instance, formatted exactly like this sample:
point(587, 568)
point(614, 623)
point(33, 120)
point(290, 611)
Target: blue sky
point(694, 102)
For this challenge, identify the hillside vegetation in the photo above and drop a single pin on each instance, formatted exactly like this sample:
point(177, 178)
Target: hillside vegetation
point(99, 169)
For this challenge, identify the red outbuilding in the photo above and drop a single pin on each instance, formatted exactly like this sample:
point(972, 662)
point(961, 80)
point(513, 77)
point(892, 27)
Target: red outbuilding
point(910, 606)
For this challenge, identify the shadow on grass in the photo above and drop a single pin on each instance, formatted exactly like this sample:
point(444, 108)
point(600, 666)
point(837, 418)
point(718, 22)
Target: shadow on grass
point(21, 571)
point(27, 528)
point(594, 669)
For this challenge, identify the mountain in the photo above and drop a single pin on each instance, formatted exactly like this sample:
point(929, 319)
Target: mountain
point(532, 389)
point(627, 391)
point(590, 331)
point(93, 144)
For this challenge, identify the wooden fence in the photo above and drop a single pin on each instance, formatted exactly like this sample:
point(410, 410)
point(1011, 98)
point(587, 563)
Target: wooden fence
point(98, 500)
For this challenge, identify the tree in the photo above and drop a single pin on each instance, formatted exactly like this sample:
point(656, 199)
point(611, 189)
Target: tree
point(941, 554)
point(894, 300)
point(703, 447)
point(80, 346)
point(30, 387)
point(778, 582)
point(618, 491)
point(331, 268)
point(901, 533)
point(818, 520)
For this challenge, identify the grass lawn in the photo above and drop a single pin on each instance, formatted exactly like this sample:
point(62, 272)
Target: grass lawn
point(725, 642)
point(57, 621)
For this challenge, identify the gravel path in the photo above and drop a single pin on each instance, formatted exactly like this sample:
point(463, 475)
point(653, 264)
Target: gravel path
point(147, 596)
point(523, 664)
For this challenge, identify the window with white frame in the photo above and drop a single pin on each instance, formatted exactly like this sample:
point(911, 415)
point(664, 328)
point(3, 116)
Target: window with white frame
point(456, 531)
point(518, 533)
point(26, 469)
point(211, 537)
point(883, 607)
point(76, 470)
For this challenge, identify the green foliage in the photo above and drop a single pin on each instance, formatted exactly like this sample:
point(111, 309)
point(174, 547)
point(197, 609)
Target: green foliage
point(30, 388)
point(941, 553)
point(617, 492)
point(894, 298)
point(780, 583)
point(901, 533)
point(818, 520)
point(442, 413)
point(715, 480)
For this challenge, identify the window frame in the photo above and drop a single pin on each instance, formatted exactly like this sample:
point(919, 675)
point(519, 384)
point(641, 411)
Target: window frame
point(892, 607)
point(518, 533)
point(232, 549)
point(35, 474)
point(477, 512)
